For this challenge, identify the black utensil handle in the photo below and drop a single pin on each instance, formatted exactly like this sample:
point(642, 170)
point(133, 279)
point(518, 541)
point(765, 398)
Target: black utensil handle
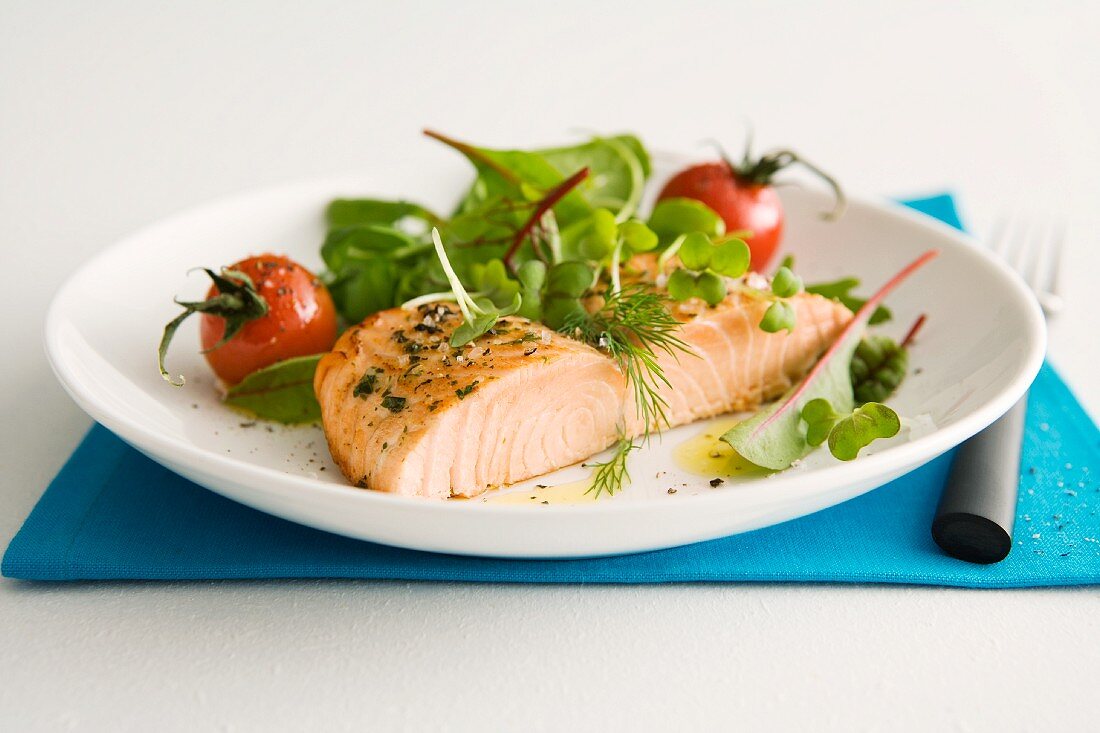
point(977, 511)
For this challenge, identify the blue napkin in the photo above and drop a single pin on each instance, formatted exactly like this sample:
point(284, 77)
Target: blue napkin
point(113, 514)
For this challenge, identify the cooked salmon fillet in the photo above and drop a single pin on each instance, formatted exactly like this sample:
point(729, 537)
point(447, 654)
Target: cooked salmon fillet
point(406, 413)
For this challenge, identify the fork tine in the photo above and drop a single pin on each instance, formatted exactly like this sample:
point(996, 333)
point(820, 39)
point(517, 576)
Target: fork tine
point(1020, 247)
point(1048, 295)
point(998, 239)
point(1036, 271)
point(1034, 250)
point(1058, 246)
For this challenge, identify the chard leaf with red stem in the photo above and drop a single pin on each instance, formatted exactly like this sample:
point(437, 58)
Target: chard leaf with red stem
point(282, 392)
point(773, 437)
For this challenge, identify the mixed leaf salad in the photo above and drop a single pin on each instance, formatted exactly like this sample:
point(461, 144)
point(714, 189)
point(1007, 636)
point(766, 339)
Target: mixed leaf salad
point(549, 234)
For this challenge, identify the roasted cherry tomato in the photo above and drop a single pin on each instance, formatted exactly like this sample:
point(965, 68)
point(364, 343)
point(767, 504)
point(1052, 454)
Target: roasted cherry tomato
point(259, 311)
point(744, 197)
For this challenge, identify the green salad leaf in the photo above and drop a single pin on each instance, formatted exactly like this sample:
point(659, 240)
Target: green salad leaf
point(773, 437)
point(566, 284)
point(282, 392)
point(618, 164)
point(357, 212)
point(674, 217)
point(372, 267)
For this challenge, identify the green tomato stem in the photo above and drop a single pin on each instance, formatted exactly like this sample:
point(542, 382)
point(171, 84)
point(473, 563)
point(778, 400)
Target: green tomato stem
point(769, 164)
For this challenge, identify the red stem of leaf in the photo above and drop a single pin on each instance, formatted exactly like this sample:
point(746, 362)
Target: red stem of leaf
point(861, 317)
point(555, 195)
point(913, 330)
point(471, 152)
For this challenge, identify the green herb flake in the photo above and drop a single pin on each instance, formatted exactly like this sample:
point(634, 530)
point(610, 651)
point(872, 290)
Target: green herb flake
point(393, 403)
point(526, 338)
point(466, 390)
point(365, 386)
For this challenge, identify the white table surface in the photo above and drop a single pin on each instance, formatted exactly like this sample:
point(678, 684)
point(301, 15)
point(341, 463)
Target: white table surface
point(115, 114)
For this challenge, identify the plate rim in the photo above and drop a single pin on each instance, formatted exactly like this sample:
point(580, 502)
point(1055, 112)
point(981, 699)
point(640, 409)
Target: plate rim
point(912, 453)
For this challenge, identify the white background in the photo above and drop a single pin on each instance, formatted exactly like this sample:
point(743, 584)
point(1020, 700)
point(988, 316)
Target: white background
point(115, 114)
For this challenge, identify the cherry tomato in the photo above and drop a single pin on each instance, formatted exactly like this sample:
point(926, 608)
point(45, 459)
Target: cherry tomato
point(300, 319)
point(744, 197)
point(745, 207)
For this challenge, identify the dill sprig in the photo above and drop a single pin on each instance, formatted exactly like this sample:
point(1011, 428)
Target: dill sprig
point(610, 475)
point(633, 327)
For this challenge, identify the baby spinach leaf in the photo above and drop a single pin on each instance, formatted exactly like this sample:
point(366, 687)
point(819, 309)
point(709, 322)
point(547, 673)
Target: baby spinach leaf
point(514, 174)
point(619, 167)
point(773, 437)
point(865, 425)
point(363, 263)
point(566, 284)
point(354, 212)
point(282, 392)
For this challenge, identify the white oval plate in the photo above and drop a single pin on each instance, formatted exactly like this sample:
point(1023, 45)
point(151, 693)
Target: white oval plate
point(980, 349)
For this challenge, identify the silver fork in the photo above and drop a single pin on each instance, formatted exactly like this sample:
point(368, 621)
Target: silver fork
point(977, 512)
point(1034, 250)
